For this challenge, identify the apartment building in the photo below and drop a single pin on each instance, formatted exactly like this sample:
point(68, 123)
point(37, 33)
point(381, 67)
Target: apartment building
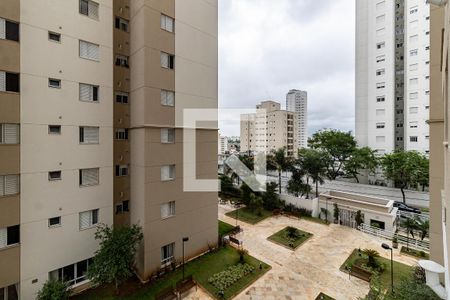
point(439, 138)
point(269, 129)
point(297, 101)
point(223, 144)
point(91, 131)
point(392, 75)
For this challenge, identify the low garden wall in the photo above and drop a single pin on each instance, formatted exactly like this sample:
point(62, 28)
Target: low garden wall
point(300, 202)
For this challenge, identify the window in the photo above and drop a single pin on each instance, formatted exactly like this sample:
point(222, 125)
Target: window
point(167, 210)
point(9, 30)
point(399, 125)
point(89, 135)
point(167, 98)
point(413, 139)
point(167, 135)
point(413, 52)
point(381, 58)
point(380, 112)
point(167, 23)
point(54, 175)
point(167, 173)
point(413, 96)
point(122, 134)
point(121, 170)
point(54, 83)
point(123, 207)
point(381, 19)
point(9, 82)
point(380, 72)
point(380, 85)
point(54, 222)
point(9, 292)
point(122, 61)
point(413, 81)
point(381, 99)
point(9, 134)
point(122, 97)
point(413, 67)
point(88, 92)
point(9, 236)
point(88, 219)
point(380, 125)
point(89, 8)
point(54, 129)
point(167, 253)
point(55, 37)
point(413, 10)
point(89, 177)
point(121, 24)
point(89, 51)
point(399, 139)
point(72, 274)
point(381, 45)
point(380, 139)
point(167, 60)
point(414, 110)
point(9, 185)
point(413, 124)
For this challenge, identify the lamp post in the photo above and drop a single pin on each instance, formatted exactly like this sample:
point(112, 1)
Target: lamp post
point(185, 239)
point(387, 247)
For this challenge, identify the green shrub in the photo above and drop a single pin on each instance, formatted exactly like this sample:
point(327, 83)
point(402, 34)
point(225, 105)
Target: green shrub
point(54, 290)
point(227, 278)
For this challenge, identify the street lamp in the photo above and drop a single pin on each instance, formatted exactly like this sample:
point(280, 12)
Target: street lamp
point(185, 239)
point(387, 247)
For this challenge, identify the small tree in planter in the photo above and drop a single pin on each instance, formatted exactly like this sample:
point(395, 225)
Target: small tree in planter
point(336, 213)
point(242, 253)
point(54, 290)
point(394, 242)
point(292, 232)
point(359, 218)
point(372, 256)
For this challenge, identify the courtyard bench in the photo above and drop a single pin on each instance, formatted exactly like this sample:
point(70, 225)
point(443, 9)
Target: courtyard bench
point(185, 285)
point(166, 294)
point(360, 273)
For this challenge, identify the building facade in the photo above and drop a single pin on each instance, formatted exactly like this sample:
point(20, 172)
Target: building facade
point(92, 95)
point(223, 144)
point(269, 129)
point(392, 75)
point(297, 101)
point(439, 138)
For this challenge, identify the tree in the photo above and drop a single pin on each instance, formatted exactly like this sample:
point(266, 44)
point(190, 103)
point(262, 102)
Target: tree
point(359, 219)
point(361, 159)
point(423, 226)
point(280, 162)
point(404, 168)
point(410, 224)
point(372, 256)
point(423, 173)
point(336, 212)
point(296, 186)
point(54, 290)
point(337, 145)
point(410, 289)
point(271, 199)
point(114, 260)
point(314, 163)
point(255, 204)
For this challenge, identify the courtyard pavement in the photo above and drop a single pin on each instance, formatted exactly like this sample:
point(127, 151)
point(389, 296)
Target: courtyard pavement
point(310, 269)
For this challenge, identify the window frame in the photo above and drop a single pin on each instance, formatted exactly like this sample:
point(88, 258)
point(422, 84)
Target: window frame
point(80, 177)
point(52, 33)
point(59, 224)
point(54, 80)
point(51, 178)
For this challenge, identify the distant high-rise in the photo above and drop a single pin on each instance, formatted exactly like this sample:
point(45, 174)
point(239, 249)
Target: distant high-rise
point(297, 101)
point(392, 75)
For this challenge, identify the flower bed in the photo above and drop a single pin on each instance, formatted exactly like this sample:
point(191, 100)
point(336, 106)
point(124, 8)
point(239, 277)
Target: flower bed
point(227, 278)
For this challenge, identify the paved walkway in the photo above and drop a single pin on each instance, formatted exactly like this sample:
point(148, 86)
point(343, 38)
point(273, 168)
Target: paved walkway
point(313, 267)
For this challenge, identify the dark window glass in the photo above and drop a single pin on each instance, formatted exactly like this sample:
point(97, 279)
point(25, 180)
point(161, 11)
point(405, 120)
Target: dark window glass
point(54, 36)
point(54, 83)
point(171, 61)
point(80, 177)
point(117, 170)
point(82, 267)
point(95, 93)
point(81, 135)
point(95, 216)
point(126, 205)
point(117, 23)
point(54, 129)
point(12, 293)
point(13, 235)
point(119, 209)
point(54, 221)
point(84, 7)
point(12, 82)
point(12, 31)
point(69, 273)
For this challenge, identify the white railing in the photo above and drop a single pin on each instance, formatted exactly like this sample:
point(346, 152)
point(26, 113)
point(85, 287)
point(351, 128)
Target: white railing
point(389, 235)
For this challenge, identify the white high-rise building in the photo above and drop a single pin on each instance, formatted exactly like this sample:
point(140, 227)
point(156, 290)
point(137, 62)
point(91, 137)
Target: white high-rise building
point(297, 101)
point(392, 74)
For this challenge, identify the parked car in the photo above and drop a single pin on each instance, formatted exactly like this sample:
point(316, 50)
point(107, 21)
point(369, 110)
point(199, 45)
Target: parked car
point(403, 207)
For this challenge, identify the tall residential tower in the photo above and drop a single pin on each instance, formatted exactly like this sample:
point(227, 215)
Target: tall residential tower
point(92, 95)
point(392, 75)
point(297, 101)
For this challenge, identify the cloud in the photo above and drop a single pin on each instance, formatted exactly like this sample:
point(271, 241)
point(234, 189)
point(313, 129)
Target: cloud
point(268, 47)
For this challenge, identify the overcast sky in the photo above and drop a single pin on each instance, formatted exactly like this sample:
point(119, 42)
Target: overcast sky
point(267, 47)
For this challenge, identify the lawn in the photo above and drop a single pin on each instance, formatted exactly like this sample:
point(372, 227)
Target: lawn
point(322, 296)
point(246, 215)
point(201, 268)
point(400, 270)
point(415, 253)
point(224, 228)
point(282, 238)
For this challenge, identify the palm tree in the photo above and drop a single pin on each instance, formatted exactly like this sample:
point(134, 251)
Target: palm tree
point(280, 162)
point(423, 226)
point(295, 185)
point(410, 224)
point(372, 256)
point(314, 163)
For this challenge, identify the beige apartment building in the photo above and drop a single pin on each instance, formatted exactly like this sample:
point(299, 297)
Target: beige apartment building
point(91, 131)
point(439, 138)
point(269, 129)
